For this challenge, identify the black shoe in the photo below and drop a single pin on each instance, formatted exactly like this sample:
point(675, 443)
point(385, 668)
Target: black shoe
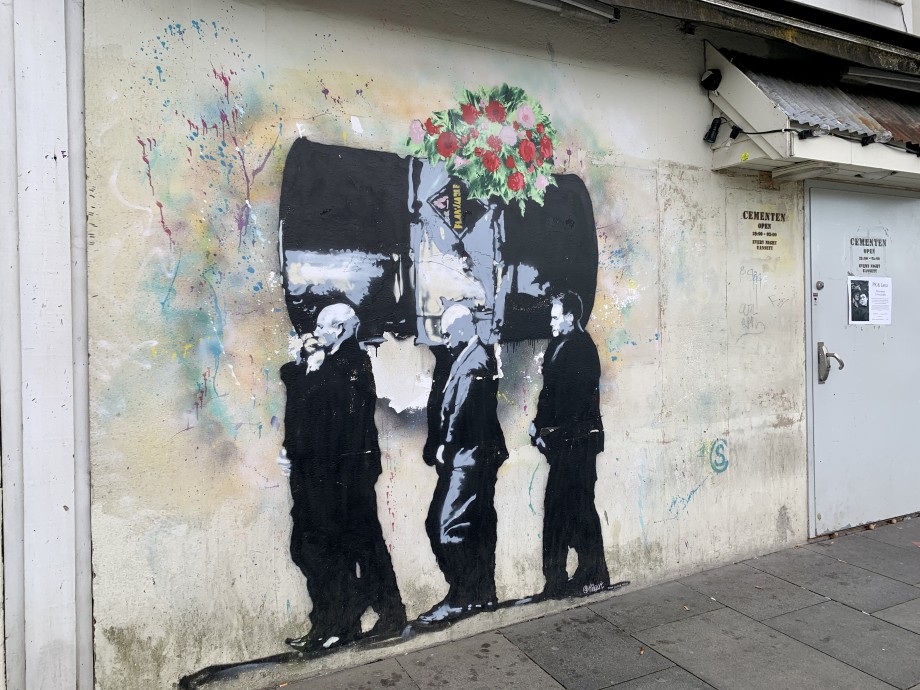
point(306, 643)
point(444, 613)
point(557, 591)
point(312, 642)
point(480, 607)
point(388, 625)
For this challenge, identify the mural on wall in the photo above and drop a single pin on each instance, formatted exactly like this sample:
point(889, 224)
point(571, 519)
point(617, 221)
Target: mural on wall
point(469, 245)
point(202, 130)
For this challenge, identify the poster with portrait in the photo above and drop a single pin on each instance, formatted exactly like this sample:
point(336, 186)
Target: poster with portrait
point(869, 300)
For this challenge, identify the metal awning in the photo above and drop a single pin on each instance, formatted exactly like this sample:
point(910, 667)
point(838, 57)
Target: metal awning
point(806, 26)
point(851, 130)
point(856, 110)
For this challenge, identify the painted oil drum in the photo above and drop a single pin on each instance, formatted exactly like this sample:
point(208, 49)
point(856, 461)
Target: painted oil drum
point(398, 239)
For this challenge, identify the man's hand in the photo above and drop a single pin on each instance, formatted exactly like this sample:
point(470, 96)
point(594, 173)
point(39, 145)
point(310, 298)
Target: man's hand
point(284, 463)
point(536, 439)
point(295, 348)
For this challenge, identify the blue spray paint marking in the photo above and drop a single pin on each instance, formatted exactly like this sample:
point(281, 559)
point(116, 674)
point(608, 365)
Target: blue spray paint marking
point(171, 289)
point(718, 455)
point(643, 483)
point(530, 488)
point(679, 503)
point(214, 344)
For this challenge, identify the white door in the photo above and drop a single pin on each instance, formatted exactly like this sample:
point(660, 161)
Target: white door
point(865, 416)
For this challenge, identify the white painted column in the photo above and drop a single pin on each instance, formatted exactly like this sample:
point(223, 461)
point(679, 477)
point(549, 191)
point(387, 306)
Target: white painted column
point(10, 368)
point(48, 617)
point(76, 158)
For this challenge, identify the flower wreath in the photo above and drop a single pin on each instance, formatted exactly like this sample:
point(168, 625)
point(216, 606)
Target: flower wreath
point(498, 142)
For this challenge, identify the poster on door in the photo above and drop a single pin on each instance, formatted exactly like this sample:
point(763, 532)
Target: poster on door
point(869, 300)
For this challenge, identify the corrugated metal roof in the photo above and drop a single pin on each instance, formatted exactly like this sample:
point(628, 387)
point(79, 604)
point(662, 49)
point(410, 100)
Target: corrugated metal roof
point(900, 117)
point(851, 109)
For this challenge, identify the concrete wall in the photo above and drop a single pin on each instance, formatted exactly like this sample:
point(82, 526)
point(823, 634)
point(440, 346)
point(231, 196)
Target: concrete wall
point(191, 109)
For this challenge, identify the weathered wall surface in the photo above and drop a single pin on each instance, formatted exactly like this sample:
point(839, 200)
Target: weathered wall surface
point(191, 109)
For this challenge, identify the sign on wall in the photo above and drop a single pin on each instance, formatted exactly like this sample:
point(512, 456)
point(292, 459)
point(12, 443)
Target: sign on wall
point(766, 227)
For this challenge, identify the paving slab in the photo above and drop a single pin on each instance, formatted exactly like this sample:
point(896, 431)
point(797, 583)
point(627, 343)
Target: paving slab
point(654, 606)
point(673, 678)
point(871, 554)
point(902, 534)
point(752, 592)
point(881, 649)
point(483, 662)
point(583, 651)
point(906, 615)
point(380, 674)
point(729, 650)
point(849, 584)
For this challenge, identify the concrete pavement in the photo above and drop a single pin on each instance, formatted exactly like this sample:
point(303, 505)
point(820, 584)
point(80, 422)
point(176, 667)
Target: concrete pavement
point(836, 614)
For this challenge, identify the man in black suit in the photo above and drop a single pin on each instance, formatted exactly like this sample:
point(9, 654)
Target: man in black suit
point(568, 431)
point(332, 455)
point(461, 522)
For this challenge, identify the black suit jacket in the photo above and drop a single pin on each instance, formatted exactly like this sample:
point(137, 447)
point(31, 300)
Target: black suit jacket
point(469, 408)
point(329, 429)
point(568, 411)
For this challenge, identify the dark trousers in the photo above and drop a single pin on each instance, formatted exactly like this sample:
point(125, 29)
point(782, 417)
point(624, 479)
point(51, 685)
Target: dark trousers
point(462, 526)
point(337, 543)
point(570, 521)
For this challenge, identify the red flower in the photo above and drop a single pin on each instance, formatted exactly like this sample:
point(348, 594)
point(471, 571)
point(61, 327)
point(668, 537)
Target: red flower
point(490, 161)
point(530, 134)
point(470, 113)
point(431, 127)
point(541, 128)
point(477, 151)
point(516, 181)
point(516, 125)
point(546, 147)
point(509, 162)
point(447, 144)
point(474, 133)
point(539, 161)
point(494, 143)
point(495, 111)
point(527, 150)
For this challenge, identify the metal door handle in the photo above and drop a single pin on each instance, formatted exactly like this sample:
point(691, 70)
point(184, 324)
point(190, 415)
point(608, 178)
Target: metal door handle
point(824, 365)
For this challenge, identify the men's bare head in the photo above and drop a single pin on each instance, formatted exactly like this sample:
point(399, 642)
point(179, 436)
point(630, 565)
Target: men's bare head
point(457, 325)
point(334, 325)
